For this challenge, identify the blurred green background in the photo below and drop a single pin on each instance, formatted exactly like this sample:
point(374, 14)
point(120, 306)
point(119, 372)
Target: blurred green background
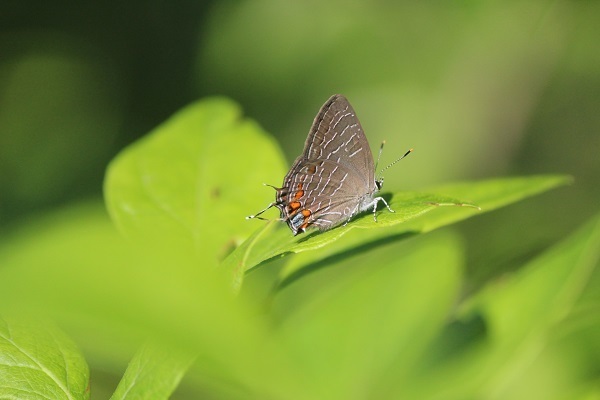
point(477, 88)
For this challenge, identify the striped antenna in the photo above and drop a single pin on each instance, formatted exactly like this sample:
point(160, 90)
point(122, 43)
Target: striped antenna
point(394, 162)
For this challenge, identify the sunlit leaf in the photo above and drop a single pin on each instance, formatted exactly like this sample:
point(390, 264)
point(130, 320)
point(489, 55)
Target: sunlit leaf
point(111, 295)
point(39, 361)
point(191, 181)
point(153, 373)
point(409, 219)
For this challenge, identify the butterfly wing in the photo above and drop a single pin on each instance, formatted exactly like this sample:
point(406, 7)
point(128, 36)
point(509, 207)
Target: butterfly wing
point(335, 172)
point(336, 134)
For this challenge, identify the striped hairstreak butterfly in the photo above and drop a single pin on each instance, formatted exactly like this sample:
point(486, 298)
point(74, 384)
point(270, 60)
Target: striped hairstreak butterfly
point(334, 178)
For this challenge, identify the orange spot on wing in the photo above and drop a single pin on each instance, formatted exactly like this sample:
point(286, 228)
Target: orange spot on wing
point(306, 213)
point(294, 205)
point(299, 194)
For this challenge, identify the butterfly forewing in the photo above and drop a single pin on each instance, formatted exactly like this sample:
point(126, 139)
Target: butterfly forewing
point(336, 134)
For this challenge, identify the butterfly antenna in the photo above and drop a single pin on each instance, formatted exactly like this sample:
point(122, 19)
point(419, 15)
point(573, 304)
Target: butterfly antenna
point(394, 162)
point(379, 156)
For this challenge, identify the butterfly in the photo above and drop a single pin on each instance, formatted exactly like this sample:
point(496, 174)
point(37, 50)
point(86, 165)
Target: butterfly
point(334, 178)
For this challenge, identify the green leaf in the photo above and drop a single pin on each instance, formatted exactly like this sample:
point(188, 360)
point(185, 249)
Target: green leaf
point(153, 373)
point(409, 219)
point(190, 183)
point(377, 321)
point(73, 266)
point(39, 361)
point(521, 313)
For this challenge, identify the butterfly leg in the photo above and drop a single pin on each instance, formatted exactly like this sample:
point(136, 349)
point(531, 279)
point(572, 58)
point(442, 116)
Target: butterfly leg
point(260, 212)
point(376, 200)
point(269, 206)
